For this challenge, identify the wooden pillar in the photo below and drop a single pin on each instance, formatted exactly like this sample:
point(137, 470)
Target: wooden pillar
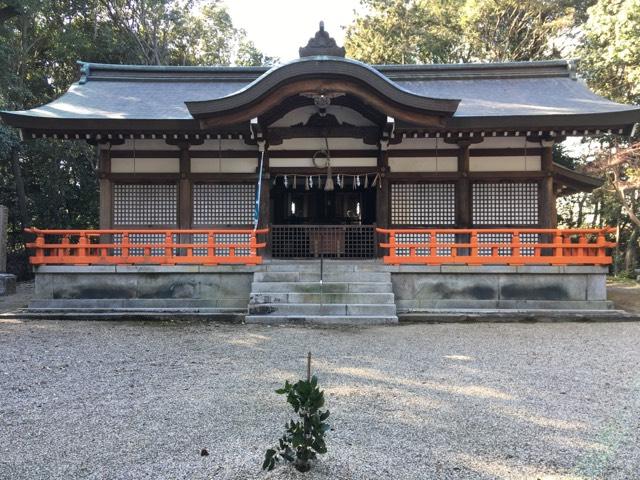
point(264, 219)
point(463, 188)
point(106, 191)
point(548, 216)
point(383, 193)
point(185, 203)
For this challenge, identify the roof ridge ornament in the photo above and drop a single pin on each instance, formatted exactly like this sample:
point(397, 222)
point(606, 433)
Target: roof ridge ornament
point(322, 45)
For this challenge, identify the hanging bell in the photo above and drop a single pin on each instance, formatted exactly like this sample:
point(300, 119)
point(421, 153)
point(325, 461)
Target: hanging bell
point(286, 182)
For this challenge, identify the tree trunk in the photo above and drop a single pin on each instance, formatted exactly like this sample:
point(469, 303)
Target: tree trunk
point(631, 252)
point(20, 193)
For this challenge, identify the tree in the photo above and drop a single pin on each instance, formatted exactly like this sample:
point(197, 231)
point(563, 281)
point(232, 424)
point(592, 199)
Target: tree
point(514, 30)
point(52, 183)
point(438, 31)
point(406, 31)
point(610, 53)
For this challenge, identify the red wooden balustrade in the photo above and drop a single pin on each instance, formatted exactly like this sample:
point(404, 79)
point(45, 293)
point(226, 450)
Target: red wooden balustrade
point(148, 247)
point(497, 246)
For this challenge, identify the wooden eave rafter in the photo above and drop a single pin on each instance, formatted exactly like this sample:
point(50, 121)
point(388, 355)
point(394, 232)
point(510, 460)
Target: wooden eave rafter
point(573, 182)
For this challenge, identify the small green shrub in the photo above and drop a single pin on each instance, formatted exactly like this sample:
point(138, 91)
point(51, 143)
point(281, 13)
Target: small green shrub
point(303, 438)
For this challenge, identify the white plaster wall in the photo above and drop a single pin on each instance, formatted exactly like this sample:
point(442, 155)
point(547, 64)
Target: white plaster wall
point(505, 164)
point(335, 162)
point(319, 144)
point(423, 164)
point(224, 165)
point(145, 165)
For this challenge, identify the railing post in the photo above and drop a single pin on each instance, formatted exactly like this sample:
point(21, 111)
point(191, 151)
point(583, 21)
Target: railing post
point(168, 250)
point(82, 250)
point(392, 244)
point(601, 242)
point(557, 241)
point(473, 240)
point(582, 241)
point(516, 245)
point(39, 253)
point(125, 245)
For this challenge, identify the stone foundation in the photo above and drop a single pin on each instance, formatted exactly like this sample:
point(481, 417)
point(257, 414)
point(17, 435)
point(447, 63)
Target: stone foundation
point(416, 288)
point(104, 287)
point(419, 288)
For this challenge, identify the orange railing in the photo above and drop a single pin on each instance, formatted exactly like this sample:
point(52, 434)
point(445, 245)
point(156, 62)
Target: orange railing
point(497, 246)
point(149, 247)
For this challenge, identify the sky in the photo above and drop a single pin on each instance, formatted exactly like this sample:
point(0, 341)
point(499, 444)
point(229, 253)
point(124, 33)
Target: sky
point(280, 27)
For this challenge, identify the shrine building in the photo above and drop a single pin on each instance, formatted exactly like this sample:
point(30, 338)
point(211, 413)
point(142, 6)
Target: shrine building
point(419, 188)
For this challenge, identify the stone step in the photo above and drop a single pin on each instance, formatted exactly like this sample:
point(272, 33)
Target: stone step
point(326, 277)
point(351, 320)
point(313, 266)
point(348, 298)
point(324, 287)
point(279, 309)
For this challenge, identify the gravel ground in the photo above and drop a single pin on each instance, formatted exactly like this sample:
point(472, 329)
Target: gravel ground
point(106, 400)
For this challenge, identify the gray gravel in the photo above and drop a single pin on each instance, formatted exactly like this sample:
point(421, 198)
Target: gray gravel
point(105, 400)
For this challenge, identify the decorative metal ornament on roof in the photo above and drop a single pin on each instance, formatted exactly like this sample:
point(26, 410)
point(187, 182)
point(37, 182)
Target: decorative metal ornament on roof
point(322, 45)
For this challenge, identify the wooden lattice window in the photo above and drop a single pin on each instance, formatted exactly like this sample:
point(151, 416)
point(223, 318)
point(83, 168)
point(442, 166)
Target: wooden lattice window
point(145, 204)
point(423, 203)
point(505, 203)
point(223, 204)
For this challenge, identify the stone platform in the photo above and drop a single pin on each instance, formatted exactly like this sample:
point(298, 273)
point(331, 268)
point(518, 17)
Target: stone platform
point(284, 291)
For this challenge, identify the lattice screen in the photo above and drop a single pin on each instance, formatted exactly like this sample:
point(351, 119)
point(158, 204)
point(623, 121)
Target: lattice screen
point(423, 203)
point(223, 204)
point(505, 203)
point(145, 204)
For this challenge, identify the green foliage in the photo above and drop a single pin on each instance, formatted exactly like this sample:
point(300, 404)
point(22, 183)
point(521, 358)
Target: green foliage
point(610, 53)
point(514, 30)
point(441, 31)
point(304, 438)
point(40, 43)
point(406, 31)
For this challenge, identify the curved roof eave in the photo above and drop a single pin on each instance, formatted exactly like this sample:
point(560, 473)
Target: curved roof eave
point(322, 68)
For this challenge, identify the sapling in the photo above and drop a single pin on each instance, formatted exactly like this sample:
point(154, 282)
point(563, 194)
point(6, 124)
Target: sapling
point(304, 438)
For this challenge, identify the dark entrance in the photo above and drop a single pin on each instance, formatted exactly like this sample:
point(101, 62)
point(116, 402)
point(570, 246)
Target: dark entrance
point(315, 222)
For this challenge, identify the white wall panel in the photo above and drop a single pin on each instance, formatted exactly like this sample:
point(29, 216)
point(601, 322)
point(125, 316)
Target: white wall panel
point(145, 165)
point(224, 165)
